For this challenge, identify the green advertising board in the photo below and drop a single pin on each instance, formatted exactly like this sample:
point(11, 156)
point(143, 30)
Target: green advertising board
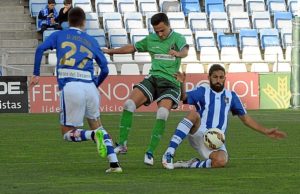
point(274, 91)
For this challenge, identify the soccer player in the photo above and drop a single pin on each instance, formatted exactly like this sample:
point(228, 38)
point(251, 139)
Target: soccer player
point(213, 104)
point(166, 48)
point(79, 96)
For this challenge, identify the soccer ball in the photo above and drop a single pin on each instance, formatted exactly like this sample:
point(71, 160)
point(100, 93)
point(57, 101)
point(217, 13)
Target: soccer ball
point(214, 138)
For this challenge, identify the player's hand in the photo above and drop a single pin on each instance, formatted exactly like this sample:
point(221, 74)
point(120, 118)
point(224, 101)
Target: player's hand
point(173, 53)
point(34, 80)
point(180, 76)
point(275, 133)
point(107, 51)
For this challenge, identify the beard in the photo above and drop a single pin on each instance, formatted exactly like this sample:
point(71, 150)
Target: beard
point(217, 87)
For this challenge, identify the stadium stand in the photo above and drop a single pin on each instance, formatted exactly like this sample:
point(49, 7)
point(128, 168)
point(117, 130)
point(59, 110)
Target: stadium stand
point(146, 6)
point(104, 6)
point(130, 69)
point(188, 6)
point(255, 6)
point(124, 6)
point(86, 5)
point(197, 21)
point(133, 20)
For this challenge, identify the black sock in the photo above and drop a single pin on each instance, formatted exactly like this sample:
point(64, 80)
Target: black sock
point(114, 164)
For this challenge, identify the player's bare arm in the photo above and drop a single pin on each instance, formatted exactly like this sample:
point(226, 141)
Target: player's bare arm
point(122, 50)
point(270, 132)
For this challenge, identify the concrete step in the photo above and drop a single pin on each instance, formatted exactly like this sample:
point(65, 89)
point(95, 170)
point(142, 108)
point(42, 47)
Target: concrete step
point(27, 43)
point(46, 70)
point(11, 9)
point(16, 18)
point(12, 2)
point(15, 26)
point(19, 35)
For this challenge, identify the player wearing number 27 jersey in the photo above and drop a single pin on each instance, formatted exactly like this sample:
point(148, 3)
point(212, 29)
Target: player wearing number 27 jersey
point(79, 96)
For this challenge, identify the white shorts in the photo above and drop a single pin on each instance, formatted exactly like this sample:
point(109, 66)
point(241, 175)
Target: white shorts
point(77, 101)
point(197, 142)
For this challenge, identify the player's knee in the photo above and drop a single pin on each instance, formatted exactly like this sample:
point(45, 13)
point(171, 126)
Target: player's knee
point(129, 105)
point(162, 113)
point(193, 116)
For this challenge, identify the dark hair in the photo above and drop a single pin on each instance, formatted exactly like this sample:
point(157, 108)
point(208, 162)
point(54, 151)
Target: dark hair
point(67, 2)
point(76, 17)
point(215, 67)
point(160, 17)
point(51, 2)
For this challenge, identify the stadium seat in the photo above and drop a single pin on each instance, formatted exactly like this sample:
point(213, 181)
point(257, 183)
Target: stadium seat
point(124, 6)
point(47, 33)
point(130, 69)
point(228, 40)
point(197, 21)
point(214, 6)
point(59, 4)
point(35, 6)
point(117, 37)
point(269, 37)
point(204, 39)
point(169, 6)
point(146, 68)
point(137, 35)
point(282, 20)
point(251, 54)
point(107, 56)
point(230, 54)
point(112, 69)
point(211, 64)
point(122, 58)
point(99, 35)
point(237, 67)
point(145, 6)
point(261, 20)
point(209, 54)
point(133, 20)
point(233, 6)
point(219, 22)
point(176, 19)
point(191, 57)
point(292, 6)
point(143, 57)
point(92, 21)
point(276, 6)
point(248, 37)
point(288, 53)
point(194, 68)
point(282, 67)
point(273, 54)
point(112, 21)
point(86, 5)
point(52, 58)
point(187, 33)
point(239, 20)
point(104, 6)
point(260, 67)
point(188, 6)
point(255, 6)
point(148, 21)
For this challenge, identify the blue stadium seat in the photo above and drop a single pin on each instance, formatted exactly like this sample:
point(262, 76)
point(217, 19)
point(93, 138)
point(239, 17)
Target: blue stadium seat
point(99, 35)
point(214, 6)
point(276, 6)
point(35, 6)
point(282, 20)
point(248, 37)
point(188, 6)
point(226, 40)
point(269, 37)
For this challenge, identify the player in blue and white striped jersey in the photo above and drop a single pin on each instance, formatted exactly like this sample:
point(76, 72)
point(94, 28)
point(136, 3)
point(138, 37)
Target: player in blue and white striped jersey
point(213, 103)
point(79, 95)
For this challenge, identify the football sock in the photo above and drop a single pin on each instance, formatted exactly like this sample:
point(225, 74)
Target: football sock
point(111, 155)
point(157, 133)
point(201, 164)
point(181, 132)
point(78, 135)
point(125, 126)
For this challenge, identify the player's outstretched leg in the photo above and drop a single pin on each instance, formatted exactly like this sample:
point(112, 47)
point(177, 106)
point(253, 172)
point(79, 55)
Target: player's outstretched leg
point(78, 135)
point(193, 163)
point(105, 148)
point(181, 132)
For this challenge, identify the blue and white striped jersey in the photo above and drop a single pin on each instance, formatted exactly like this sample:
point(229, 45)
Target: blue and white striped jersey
point(75, 51)
point(214, 107)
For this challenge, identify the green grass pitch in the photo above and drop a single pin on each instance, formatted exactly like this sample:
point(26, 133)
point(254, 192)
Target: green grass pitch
point(35, 159)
